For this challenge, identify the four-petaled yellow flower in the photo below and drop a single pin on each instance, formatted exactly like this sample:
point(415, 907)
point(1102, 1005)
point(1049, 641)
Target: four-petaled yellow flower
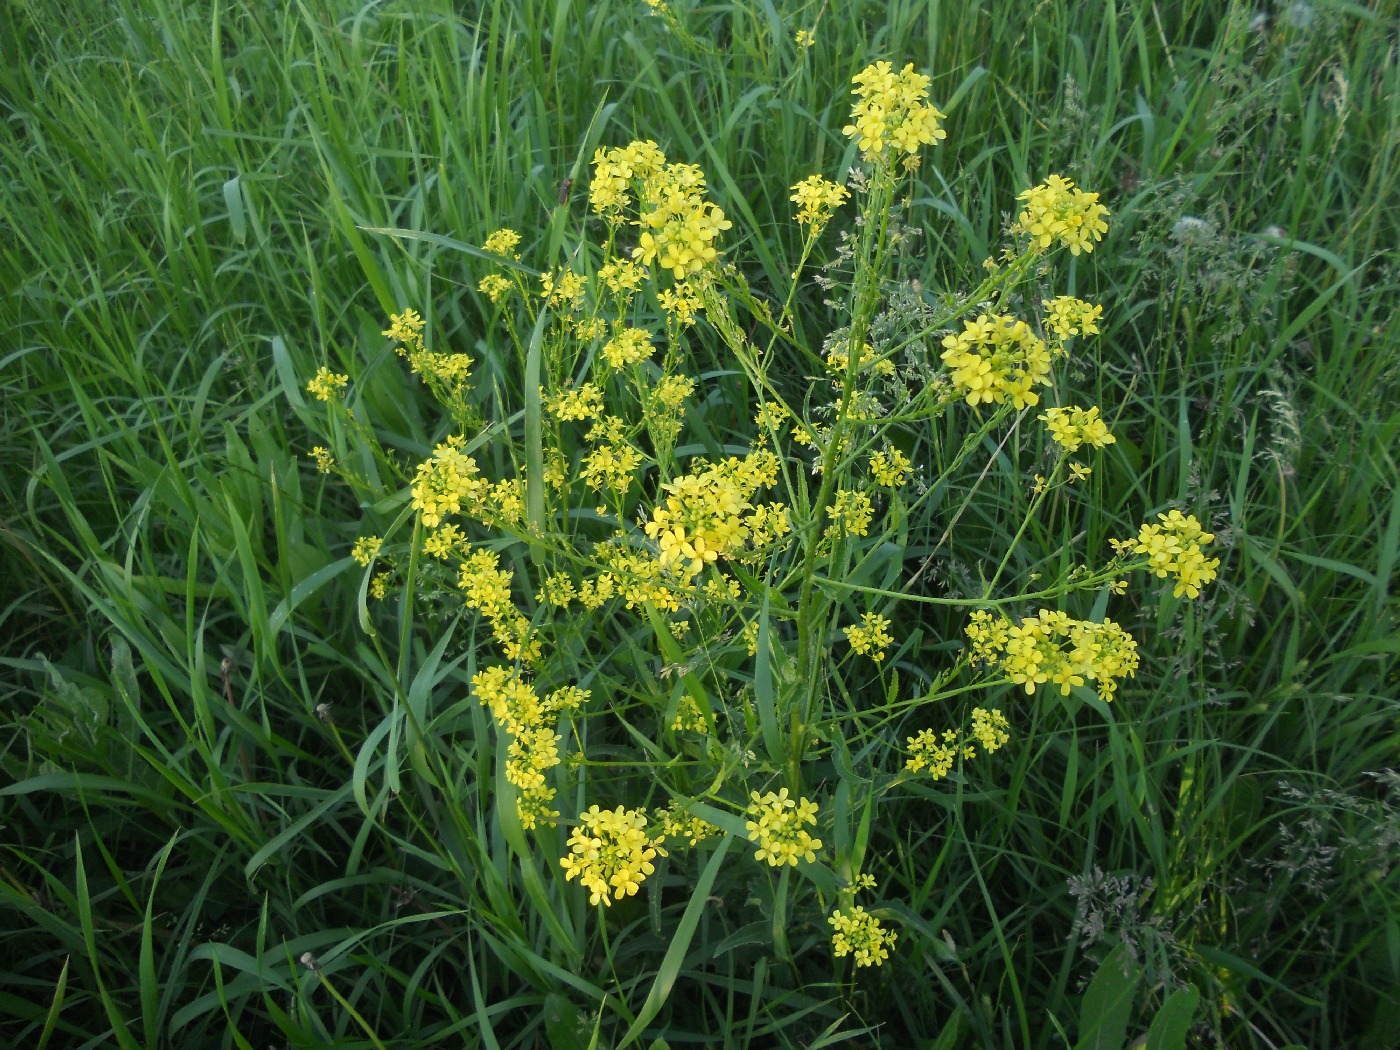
point(1057, 211)
point(326, 385)
point(872, 637)
point(892, 111)
point(859, 933)
point(777, 827)
point(610, 853)
point(1174, 548)
point(816, 199)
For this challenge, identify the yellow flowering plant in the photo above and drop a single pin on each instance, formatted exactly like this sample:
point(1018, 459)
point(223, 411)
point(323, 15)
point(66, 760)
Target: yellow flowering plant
point(684, 635)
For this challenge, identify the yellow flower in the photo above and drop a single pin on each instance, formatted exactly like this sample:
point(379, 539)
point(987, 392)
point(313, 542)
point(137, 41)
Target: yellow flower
point(562, 289)
point(676, 823)
point(1072, 427)
point(859, 933)
point(628, 346)
point(1056, 211)
point(406, 327)
point(700, 521)
point(446, 483)
point(441, 542)
point(804, 39)
point(1175, 548)
point(327, 385)
point(997, 357)
point(584, 403)
point(890, 468)
point(1053, 648)
point(494, 287)
point(610, 853)
point(990, 728)
point(850, 509)
point(366, 548)
point(892, 110)
point(872, 637)
point(325, 462)
point(1067, 316)
point(816, 199)
point(503, 242)
point(927, 750)
point(778, 829)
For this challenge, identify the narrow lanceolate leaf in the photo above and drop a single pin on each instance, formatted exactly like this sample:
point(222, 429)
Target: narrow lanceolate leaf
point(671, 963)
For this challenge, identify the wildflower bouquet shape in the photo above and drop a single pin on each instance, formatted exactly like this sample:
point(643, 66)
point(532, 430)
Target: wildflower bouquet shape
point(684, 624)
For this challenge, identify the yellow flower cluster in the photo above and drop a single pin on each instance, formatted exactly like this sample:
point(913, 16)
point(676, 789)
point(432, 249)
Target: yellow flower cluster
point(325, 461)
point(585, 402)
point(703, 517)
point(638, 579)
point(892, 110)
point(689, 717)
point(610, 466)
point(628, 346)
point(407, 329)
point(990, 729)
point(890, 468)
point(529, 720)
point(622, 277)
point(366, 549)
point(997, 357)
point(767, 524)
point(700, 521)
point(1067, 316)
point(871, 637)
point(326, 385)
point(614, 173)
point(1073, 427)
point(859, 933)
point(928, 750)
point(1173, 548)
point(937, 752)
point(1052, 647)
point(444, 541)
point(676, 824)
point(611, 853)
point(668, 393)
point(503, 242)
point(777, 827)
point(494, 286)
point(804, 38)
point(563, 289)
point(816, 199)
point(447, 483)
point(851, 510)
point(486, 589)
point(1057, 211)
point(680, 303)
point(679, 227)
point(838, 360)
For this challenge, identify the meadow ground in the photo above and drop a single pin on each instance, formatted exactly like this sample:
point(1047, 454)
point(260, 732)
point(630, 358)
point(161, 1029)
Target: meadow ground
point(247, 803)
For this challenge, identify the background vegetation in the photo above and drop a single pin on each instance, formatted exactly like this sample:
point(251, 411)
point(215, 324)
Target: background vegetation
point(186, 194)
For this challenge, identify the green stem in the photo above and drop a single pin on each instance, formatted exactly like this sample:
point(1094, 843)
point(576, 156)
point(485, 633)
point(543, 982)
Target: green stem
point(811, 632)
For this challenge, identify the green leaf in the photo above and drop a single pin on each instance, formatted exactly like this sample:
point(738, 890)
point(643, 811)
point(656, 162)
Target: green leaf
point(1168, 1029)
point(1108, 1004)
point(675, 954)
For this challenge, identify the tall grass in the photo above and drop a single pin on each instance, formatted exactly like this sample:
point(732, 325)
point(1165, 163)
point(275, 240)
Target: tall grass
point(202, 780)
